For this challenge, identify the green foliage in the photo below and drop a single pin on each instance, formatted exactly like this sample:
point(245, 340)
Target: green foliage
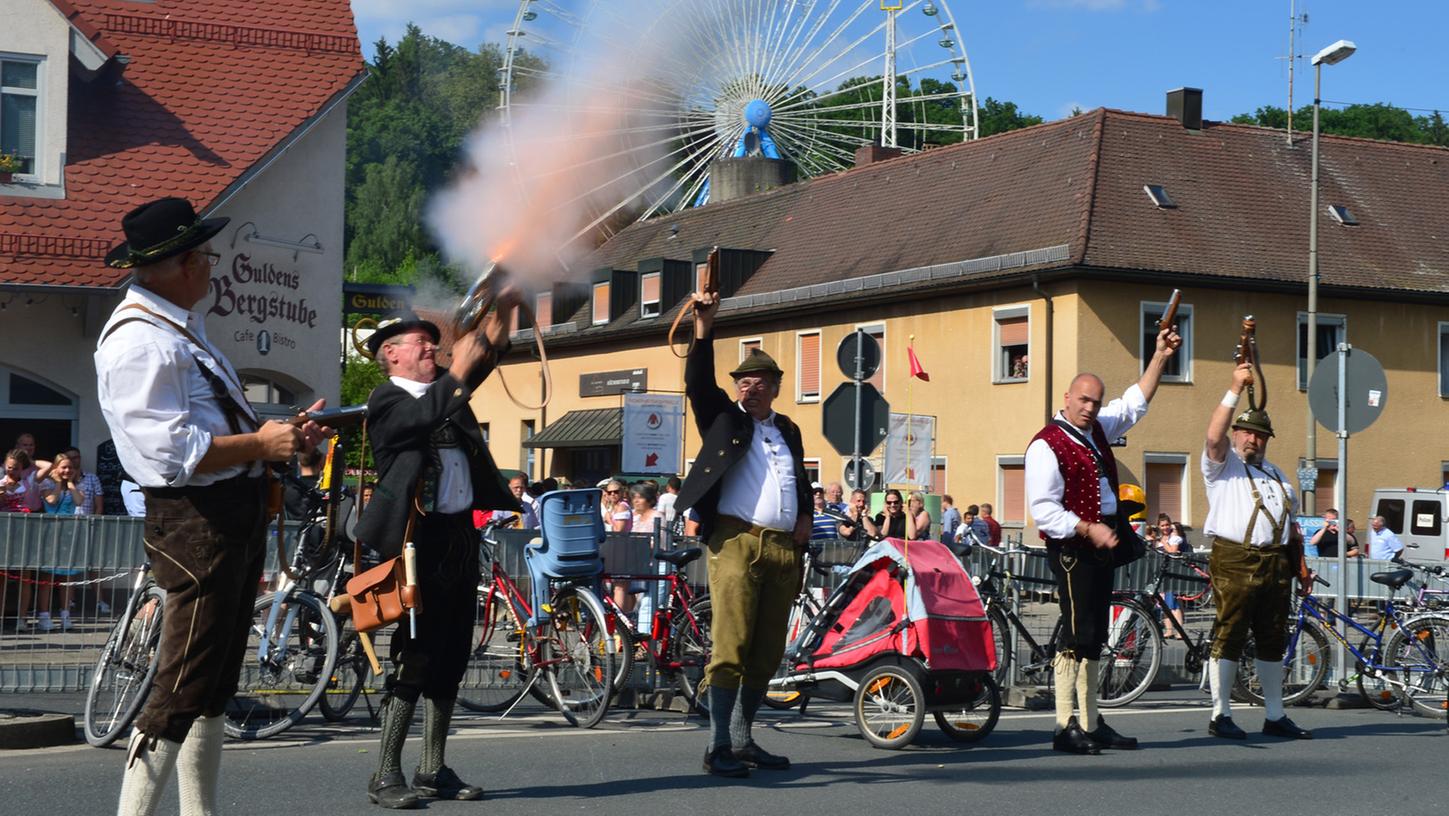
point(998, 117)
point(359, 376)
point(1375, 121)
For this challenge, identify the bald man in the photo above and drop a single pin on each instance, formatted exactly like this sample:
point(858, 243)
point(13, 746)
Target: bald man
point(1071, 487)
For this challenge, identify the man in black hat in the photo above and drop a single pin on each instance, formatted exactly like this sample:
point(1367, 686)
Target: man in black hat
point(185, 433)
point(1256, 555)
point(434, 468)
point(748, 485)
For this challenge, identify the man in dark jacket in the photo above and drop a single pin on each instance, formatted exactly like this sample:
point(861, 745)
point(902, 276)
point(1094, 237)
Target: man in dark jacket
point(431, 462)
point(749, 487)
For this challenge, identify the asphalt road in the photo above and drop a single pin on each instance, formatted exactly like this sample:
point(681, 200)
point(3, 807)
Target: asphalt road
point(646, 763)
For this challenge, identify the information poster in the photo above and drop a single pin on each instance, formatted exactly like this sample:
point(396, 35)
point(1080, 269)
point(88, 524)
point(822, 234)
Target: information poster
point(653, 433)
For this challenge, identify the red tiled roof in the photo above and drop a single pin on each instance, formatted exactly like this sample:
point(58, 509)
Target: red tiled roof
point(1241, 215)
point(211, 87)
point(86, 27)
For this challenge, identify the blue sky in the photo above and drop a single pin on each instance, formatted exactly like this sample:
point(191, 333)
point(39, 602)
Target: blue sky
point(1051, 55)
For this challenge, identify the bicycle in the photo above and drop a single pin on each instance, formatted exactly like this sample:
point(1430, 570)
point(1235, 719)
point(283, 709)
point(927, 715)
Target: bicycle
point(804, 610)
point(1403, 659)
point(1133, 634)
point(122, 677)
point(567, 646)
point(677, 645)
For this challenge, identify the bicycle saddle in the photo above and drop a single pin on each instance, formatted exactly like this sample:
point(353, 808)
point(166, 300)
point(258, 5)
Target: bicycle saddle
point(678, 557)
point(1393, 578)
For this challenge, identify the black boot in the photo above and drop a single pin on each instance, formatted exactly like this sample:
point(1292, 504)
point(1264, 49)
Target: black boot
point(741, 737)
point(720, 761)
point(1284, 727)
point(1108, 737)
point(433, 778)
point(388, 787)
point(1073, 740)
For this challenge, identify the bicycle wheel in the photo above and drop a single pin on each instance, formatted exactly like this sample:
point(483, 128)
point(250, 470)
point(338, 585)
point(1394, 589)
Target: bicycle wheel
point(288, 663)
point(1418, 651)
point(579, 656)
point(801, 614)
point(349, 675)
point(497, 670)
point(972, 723)
point(890, 707)
point(123, 674)
point(1001, 639)
point(620, 634)
point(1305, 663)
point(689, 650)
point(1133, 654)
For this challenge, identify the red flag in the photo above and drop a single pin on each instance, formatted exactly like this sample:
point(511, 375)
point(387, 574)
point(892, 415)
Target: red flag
point(916, 369)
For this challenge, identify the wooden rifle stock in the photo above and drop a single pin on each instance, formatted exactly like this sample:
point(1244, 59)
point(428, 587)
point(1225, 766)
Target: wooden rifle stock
point(708, 284)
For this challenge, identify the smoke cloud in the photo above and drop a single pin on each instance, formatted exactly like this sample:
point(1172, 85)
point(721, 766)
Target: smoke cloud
point(539, 187)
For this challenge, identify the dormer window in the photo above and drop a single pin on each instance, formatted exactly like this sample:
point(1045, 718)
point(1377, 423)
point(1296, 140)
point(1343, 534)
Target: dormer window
point(600, 305)
point(20, 112)
point(649, 295)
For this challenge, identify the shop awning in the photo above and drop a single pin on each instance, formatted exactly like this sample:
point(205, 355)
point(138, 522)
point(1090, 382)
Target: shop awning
point(596, 427)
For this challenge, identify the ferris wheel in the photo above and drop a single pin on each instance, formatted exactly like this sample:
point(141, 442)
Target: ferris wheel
point(803, 80)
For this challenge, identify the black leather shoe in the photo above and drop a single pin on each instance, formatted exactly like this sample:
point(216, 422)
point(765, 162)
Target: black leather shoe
point(721, 761)
point(391, 791)
point(753, 756)
point(1226, 728)
point(445, 784)
point(1107, 737)
point(1285, 728)
point(1073, 740)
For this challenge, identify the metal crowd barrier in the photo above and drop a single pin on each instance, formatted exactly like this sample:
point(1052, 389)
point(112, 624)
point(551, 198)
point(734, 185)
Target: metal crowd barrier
point(86, 564)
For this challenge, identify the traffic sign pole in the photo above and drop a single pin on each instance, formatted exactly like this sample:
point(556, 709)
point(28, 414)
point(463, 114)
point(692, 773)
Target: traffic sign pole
point(1340, 495)
point(859, 403)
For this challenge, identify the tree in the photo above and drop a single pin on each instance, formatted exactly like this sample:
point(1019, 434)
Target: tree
point(385, 218)
point(999, 117)
point(1372, 121)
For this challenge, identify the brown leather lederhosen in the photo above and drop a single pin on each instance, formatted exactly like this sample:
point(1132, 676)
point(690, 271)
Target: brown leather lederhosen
point(1253, 585)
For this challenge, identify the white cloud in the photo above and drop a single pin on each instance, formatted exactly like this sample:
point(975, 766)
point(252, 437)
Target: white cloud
point(457, 21)
point(1066, 110)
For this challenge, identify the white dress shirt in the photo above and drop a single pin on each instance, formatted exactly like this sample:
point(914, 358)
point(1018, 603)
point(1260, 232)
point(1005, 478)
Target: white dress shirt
point(760, 488)
point(1230, 500)
point(455, 486)
point(160, 409)
point(1044, 484)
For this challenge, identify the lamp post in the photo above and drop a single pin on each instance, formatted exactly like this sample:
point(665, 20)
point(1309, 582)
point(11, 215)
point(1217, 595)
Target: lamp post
point(1333, 54)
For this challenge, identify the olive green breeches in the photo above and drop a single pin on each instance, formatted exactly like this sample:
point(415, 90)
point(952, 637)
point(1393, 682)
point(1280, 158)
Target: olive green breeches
point(1253, 588)
point(754, 575)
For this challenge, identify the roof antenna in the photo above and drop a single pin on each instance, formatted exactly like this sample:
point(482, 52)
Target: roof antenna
point(1294, 21)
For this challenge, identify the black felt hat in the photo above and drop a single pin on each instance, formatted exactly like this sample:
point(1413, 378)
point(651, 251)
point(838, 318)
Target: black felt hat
point(397, 324)
point(161, 229)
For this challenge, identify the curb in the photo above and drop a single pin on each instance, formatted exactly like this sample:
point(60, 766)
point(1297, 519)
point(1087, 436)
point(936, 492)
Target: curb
point(21, 729)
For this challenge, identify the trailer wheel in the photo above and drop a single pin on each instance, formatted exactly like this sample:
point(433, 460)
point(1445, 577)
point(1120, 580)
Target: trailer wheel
point(890, 707)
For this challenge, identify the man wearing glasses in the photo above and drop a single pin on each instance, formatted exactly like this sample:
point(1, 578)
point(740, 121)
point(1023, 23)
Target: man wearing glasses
point(434, 468)
point(185, 433)
point(748, 485)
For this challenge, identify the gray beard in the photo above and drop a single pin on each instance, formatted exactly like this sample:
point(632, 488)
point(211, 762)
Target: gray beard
point(1252, 459)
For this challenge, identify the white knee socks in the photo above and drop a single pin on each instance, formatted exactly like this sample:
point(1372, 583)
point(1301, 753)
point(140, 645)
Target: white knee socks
point(149, 767)
point(198, 764)
point(1087, 684)
point(1221, 678)
point(1064, 674)
point(1270, 677)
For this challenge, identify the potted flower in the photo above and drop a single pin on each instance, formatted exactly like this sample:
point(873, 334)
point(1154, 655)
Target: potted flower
point(9, 165)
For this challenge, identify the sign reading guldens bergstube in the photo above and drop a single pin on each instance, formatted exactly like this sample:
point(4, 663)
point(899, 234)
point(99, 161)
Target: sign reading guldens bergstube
point(609, 383)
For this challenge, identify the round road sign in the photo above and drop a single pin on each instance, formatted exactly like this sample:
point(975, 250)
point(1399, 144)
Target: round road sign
point(1366, 390)
point(867, 473)
point(858, 342)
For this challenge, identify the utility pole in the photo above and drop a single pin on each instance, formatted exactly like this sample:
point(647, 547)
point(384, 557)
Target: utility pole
point(1294, 20)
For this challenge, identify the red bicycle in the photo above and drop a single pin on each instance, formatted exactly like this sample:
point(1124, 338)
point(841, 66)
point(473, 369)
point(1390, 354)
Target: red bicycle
point(677, 645)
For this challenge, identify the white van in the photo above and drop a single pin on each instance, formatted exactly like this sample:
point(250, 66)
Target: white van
point(1417, 516)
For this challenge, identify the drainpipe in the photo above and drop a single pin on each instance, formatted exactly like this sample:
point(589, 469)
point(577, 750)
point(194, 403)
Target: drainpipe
point(1047, 373)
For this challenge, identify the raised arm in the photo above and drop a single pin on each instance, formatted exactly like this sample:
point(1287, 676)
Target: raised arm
point(1217, 431)
point(1168, 342)
point(706, 398)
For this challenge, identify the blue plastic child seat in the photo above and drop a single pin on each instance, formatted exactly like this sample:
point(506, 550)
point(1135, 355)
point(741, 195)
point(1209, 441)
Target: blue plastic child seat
point(572, 530)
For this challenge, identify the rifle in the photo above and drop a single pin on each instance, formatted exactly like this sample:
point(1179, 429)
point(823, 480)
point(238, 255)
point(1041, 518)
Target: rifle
point(708, 284)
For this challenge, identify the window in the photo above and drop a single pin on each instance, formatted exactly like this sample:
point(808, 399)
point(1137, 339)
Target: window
point(812, 470)
point(748, 345)
point(1443, 359)
point(526, 455)
point(807, 366)
point(649, 295)
point(1332, 330)
point(601, 303)
point(877, 331)
point(1159, 196)
point(543, 311)
point(1427, 518)
point(1393, 512)
point(1165, 486)
point(1327, 485)
point(30, 405)
point(1011, 489)
point(1011, 330)
point(1179, 365)
point(938, 475)
point(19, 112)
point(1342, 215)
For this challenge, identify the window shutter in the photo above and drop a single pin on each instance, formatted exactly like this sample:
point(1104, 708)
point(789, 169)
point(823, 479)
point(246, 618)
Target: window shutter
point(1013, 493)
point(809, 365)
point(543, 310)
point(938, 478)
point(746, 346)
point(601, 303)
point(1164, 490)
point(1328, 488)
point(650, 289)
point(1013, 331)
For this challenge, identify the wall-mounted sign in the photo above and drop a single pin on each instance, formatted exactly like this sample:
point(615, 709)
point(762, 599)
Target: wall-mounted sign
point(375, 299)
point(611, 383)
point(653, 433)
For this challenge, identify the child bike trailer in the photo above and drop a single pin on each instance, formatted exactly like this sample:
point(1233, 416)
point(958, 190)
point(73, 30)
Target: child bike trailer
point(904, 635)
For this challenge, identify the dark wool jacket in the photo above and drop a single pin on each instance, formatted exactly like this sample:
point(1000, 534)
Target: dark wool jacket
point(399, 428)
point(726, 430)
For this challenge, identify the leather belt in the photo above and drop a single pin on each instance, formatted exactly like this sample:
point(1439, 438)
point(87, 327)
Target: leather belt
point(1258, 547)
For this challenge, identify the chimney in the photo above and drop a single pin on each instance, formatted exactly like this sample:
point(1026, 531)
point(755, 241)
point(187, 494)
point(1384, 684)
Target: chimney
point(1185, 105)
point(870, 154)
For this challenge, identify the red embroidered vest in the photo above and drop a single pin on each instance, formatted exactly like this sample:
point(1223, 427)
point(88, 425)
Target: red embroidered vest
point(1082, 484)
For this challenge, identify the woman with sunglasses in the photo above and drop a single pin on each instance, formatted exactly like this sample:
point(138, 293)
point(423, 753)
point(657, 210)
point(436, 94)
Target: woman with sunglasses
point(616, 513)
point(891, 522)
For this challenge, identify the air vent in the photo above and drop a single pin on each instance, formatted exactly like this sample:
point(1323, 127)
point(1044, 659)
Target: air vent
point(1342, 215)
point(1159, 196)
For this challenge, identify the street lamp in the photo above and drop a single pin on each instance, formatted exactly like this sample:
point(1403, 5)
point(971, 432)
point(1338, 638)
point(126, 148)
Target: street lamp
point(1332, 55)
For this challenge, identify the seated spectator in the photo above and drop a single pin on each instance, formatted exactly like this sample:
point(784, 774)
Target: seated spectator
point(950, 520)
point(1383, 543)
point(17, 483)
point(918, 521)
point(823, 525)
